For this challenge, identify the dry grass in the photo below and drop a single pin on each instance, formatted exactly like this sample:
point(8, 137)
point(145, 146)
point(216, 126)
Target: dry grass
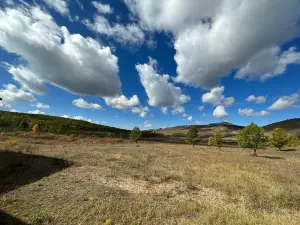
point(122, 183)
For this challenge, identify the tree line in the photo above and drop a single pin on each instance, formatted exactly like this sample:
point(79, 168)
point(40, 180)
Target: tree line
point(250, 137)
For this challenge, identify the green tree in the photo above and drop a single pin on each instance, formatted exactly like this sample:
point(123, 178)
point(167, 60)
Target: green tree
point(212, 141)
point(217, 139)
point(252, 137)
point(293, 141)
point(135, 134)
point(192, 136)
point(36, 128)
point(278, 138)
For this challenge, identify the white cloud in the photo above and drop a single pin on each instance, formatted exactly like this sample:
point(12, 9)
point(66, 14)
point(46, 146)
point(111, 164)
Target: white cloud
point(198, 122)
point(228, 101)
point(284, 102)
point(12, 95)
point(201, 108)
point(269, 62)
point(251, 112)
point(125, 34)
point(81, 118)
point(36, 112)
point(140, 110)
point(189, 118)
point(77, 64)
point(4, 106)
point(65, 116)
point(257, 100)
point(102, 8)
point(147, 124)
point(220, 112)
point(216, 97)
point(159, 90)
point(205, 32)
point(60, 6)
point(178, 110)
point(164, 110)
point(42, 106)
point(122, 102)
point(81, 103)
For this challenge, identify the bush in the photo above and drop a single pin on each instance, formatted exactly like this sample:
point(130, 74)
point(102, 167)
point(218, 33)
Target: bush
point(278, 138)
point(192, 136)
point(35, 128)
point(13, 142)
point(252, 137)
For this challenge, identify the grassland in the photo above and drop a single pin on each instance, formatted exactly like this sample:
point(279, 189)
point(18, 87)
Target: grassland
point(67, 180)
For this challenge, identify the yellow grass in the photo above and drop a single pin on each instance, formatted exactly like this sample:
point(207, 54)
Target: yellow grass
point(156, 184)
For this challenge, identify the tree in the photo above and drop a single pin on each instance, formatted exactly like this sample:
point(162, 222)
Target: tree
point(135, 134)
point(217, 139)
point(212, 141)
point(192, 136)
point(293, 141)
point(252, 137)
point(278, 138)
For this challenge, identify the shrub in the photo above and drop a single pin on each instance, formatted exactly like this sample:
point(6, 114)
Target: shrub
point(35, 128)
point(13, 142)
point(192, 136)
point(135, 134)
point(252, 137)
point(278, 138)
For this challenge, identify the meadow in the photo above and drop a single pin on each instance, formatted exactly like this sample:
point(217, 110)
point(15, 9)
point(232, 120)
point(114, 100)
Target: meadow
point(67, 180)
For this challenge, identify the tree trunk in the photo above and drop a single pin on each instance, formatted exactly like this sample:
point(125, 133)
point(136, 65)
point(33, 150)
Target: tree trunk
point(136, 141)
point(193, 144)
point(254, 152)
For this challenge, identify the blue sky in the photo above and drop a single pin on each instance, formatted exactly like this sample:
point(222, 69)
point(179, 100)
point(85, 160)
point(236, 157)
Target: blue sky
point(128, 63)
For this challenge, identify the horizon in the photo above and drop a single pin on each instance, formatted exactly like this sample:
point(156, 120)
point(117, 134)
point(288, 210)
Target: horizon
point(131, 64)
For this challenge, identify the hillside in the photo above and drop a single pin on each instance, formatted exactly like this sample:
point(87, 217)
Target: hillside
point(290, 126)
point(12, 121)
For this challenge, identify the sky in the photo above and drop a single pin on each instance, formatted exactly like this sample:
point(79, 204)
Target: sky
point(151, 63)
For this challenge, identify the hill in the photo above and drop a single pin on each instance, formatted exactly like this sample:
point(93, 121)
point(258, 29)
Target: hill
point(12, 121)
point(289, 126)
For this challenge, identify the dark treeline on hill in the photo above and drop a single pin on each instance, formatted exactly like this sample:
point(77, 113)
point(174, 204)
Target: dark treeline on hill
point(12, 121)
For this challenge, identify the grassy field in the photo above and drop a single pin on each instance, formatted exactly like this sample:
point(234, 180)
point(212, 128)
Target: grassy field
point(93, 181)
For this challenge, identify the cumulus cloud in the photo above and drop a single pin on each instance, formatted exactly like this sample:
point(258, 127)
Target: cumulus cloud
point(257, 100)
point(269, 62)
point(122, 102)
point(178, 110)
point(216, 97)
point(147, 124)
point(102, 8)
point(81, 103)
point(164, 110)
point(125, 34)
point(40, 105)
point(36, 112)
point(198, 122)
point(205, 32)
point(77, 64)
point(251, 112)
point(160, 91)
point(220, 112)
point(284, 102)
point(12, 95)
point(61, 6)
point(140, 110)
